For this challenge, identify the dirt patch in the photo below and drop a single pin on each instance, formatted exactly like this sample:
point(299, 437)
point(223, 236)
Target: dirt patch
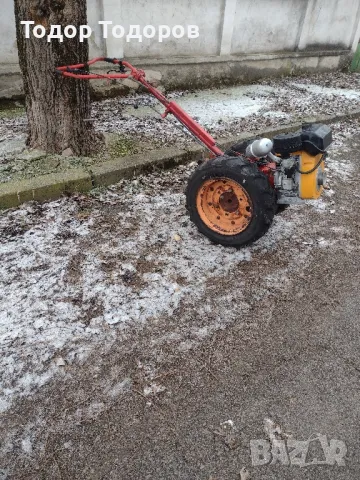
point(74, 272)
point(119, 355)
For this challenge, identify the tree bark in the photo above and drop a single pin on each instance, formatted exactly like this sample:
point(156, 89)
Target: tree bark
point(56, 107)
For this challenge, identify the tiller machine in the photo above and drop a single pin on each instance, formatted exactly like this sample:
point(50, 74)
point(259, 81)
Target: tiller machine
point(232, 197)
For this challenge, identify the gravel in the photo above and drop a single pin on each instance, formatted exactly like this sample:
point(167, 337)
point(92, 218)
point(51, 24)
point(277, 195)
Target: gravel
point(87, 270)
point(224, 112)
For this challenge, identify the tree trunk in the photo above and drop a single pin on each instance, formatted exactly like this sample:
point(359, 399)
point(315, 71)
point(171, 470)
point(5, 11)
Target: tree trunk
point(56, 107)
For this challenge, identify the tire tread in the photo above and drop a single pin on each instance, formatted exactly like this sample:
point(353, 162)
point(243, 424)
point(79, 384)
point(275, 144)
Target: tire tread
point(243, 168)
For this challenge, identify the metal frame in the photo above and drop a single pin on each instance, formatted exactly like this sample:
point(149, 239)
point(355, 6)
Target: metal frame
point(80, 72)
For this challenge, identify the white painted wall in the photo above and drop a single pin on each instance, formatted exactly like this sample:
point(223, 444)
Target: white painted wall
point(267, 25)
point(97, 43)
point(330, 22)
point(227, 26)
point(208, 15)
point(8, 48)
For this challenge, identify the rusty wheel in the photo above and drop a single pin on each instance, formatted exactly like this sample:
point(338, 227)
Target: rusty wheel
point(230, 201)
point(224, 206)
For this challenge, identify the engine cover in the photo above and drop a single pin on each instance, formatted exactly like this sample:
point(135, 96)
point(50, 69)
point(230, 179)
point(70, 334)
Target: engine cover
point(316, 138)
point(313, 138)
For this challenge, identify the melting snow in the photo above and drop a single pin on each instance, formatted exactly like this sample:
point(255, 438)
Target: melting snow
point(77, 273)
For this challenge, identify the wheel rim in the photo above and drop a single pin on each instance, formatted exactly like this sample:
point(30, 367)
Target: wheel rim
point(224, 206)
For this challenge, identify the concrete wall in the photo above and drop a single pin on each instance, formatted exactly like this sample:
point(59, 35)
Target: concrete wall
point(267, 26)
point(239, 39)
point(248, 26)
point(8, 49)
point(330, 24)
point(157, 12)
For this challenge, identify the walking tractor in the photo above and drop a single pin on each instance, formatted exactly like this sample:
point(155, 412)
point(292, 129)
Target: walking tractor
point(232, 197)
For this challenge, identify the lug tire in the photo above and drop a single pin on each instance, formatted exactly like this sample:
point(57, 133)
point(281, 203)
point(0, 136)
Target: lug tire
point(256, 187)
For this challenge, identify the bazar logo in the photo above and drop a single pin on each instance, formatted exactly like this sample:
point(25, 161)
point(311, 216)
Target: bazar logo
point(298, 453)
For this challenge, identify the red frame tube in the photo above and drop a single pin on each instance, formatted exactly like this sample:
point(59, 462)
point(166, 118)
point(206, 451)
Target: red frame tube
point(139, 75)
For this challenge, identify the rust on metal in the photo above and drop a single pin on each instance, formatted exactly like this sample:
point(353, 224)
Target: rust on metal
point(224, 206)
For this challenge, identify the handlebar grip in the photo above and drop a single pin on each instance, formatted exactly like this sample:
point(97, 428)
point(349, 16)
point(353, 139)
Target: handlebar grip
point(112, 60)
point(77, 70)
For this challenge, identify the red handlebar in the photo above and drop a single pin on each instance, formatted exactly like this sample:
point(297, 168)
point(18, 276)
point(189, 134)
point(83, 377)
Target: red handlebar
point(76, 71)
point(80, 71)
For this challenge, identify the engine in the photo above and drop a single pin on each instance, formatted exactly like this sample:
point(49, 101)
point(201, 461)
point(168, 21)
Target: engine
point(301, 170)
point(298, 161)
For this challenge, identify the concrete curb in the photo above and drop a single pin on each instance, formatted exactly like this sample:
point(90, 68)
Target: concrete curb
point(45, 187)
point(53, 186)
